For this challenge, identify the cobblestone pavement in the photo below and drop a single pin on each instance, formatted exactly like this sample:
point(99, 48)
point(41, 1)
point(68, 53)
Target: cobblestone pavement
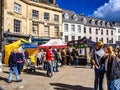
point(68, 78)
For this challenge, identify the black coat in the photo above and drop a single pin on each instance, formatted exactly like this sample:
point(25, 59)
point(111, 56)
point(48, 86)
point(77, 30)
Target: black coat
point(12, 60)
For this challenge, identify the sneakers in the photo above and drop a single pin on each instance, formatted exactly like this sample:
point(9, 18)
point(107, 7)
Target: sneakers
point(9, 81)
point(16, 81)
point(52, 77)
point(19, 80)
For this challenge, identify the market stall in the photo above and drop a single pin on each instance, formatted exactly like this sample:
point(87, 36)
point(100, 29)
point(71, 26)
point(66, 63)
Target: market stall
point(84, 46)
point(10, 47)
point(54, 43)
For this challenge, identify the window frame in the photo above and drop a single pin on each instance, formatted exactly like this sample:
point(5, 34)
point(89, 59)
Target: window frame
point(17, 27)
point(90, 30)
point(46, 16)
point(17, 8)
point(66, 38)
point(79, 28)
point(72, 38)
point(56, 31)
point(56, 18)
point(84, 29)
point(35, 13)
point(66, 27)
point(101, 31)
point(48, 32)
point(73, 28)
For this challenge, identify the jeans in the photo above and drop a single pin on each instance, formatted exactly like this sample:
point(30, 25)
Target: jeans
point(99, 76)
point(68, 60)
point(11, 72)
point(55, 68)
point(49, 68)
point(114, 84)
point(45, 65)
point(76, 61)
point(38, 62)
point(63, 60)
point(19, 67)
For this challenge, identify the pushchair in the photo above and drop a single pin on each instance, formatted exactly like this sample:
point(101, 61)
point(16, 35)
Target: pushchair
point(30, 66)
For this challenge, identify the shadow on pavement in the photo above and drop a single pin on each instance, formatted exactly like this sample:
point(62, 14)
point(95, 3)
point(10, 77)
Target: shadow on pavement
point(60, 86)
point(1, 88)
point(4, 79)
point(36, 73)
point(7, 72)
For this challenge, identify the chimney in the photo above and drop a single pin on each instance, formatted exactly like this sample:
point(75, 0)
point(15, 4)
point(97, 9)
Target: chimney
point(53, 1)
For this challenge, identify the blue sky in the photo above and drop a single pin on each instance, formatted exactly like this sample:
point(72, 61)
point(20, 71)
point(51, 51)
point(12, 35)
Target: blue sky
point(106, 9)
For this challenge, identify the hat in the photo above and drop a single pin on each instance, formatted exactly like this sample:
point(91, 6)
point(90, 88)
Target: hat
point(99, 43)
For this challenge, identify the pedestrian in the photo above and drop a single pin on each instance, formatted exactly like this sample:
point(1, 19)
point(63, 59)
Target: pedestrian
point(63, 55)
point(13, 67)
point(73, 56)
point(20, 60)
point(112, 67)
point(76, 57)
point(68, 56)
point(49, 57)
point(97, 54)
point(59, 57)
point(56, 59)
point(38, 57)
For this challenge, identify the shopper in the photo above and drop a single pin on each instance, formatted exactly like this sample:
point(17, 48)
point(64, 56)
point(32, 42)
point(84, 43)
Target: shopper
point(97, 54)
point(13, 67)
point(49, 57)
point(112, 67)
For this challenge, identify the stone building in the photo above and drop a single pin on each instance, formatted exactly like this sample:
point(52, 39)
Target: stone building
point(25, 18)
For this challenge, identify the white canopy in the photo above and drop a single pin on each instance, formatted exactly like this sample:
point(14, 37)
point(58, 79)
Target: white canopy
point(57, 43)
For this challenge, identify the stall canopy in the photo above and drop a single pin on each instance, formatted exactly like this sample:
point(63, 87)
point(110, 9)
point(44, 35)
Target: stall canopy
point(87, 41)
point(28, 45)
point(54, 43)
point(83, 42)
point(10, 47)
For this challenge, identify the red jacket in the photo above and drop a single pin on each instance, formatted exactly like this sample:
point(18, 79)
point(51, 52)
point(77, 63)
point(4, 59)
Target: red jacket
point(48, 55)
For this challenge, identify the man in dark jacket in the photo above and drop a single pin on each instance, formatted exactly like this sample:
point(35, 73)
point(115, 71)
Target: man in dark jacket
point(13, 67)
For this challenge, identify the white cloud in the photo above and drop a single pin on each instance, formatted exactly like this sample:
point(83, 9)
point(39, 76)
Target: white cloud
point(109, 11)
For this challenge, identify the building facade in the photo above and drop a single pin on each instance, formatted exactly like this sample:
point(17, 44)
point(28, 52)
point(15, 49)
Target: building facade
point(25, 18)
point(117, 27)
point(72, 28)
point(77, 26)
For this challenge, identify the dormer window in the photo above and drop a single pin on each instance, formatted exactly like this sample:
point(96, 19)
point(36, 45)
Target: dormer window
point(99, 23)
point(75, 17)
point(84, 20)
point(103, 23)
point(93, 22)
point(108, 24)
point(66, 16)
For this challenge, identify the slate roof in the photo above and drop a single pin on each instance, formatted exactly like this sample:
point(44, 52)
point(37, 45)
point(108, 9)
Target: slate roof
point(88, 20)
